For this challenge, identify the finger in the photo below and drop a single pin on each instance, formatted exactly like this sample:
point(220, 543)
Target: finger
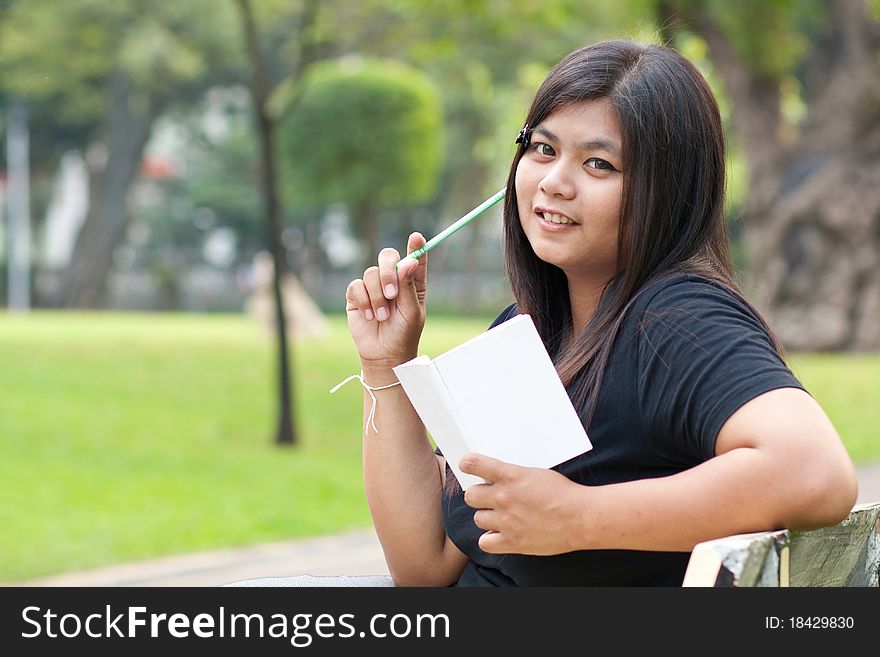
point(357, 299)
point(479, 496)
point(413, 278)
point(388, 259)
point(486, 467)
point(488, 520)
point(493, 542)
point(406, 268)
point(377, 298)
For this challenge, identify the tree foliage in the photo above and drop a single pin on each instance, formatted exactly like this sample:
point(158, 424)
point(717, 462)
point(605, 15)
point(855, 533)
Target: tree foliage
point(364, 131)
point(65, 52)
point(798, 81)
point(367, 133)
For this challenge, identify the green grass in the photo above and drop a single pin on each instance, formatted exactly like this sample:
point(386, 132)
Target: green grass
point(848, 388)
point(131, 436)
point(126, 436)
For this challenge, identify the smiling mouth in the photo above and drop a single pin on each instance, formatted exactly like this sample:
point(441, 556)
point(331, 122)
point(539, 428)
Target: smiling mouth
point(553, 218)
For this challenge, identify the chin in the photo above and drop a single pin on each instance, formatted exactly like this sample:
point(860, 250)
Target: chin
point(551, 259)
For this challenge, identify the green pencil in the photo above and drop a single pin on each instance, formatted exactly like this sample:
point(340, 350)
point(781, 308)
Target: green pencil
point(434, 241)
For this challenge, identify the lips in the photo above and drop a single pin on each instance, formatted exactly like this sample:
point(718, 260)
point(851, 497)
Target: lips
point(552, 216)
point(557, 219)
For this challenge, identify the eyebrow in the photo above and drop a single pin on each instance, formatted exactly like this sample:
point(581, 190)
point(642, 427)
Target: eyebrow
point(591, 145)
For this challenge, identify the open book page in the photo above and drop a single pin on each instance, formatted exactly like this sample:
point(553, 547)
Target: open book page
point(505, 397)
point(429, 396)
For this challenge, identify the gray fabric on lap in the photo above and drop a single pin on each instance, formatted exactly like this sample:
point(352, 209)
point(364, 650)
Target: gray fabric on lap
point(312, 581)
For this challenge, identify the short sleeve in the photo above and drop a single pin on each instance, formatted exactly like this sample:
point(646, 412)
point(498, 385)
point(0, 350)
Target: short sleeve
point(703, 353)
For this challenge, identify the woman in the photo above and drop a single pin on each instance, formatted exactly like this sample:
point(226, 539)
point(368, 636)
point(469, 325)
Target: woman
point(615, 245)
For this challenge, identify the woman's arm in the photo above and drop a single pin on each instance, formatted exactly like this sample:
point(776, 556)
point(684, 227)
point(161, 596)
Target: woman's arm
point(403, 481)
point(779, 464)
point(402, 476)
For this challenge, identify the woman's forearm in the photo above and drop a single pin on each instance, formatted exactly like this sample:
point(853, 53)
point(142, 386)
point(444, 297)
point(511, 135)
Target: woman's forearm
point(709, 501)
point(402, 482)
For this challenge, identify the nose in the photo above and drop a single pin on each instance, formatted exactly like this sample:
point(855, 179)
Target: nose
point(558, 182)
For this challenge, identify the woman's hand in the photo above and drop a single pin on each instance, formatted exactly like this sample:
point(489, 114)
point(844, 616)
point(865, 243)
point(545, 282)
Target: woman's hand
point(524, 510)
point(386, 308)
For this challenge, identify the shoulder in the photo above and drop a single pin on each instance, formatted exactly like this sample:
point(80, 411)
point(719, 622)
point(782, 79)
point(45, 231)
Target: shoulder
point(687, 298)
point(685, 290)
point(702, 352)
point(690, 316)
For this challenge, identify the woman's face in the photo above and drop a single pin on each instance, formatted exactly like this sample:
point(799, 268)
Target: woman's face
point(569, 188)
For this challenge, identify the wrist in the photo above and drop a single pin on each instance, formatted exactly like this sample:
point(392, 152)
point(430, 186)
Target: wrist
point(383, 364)
point(584, 519)
point(380, 373)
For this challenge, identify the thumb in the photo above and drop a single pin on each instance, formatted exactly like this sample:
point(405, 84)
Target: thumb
point(413, 275)
point(420, 274)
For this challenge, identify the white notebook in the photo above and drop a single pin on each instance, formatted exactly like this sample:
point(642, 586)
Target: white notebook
point(497, 394)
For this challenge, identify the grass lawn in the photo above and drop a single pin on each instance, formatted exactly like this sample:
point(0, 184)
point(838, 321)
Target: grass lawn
point(126, 436)
point(848, 388)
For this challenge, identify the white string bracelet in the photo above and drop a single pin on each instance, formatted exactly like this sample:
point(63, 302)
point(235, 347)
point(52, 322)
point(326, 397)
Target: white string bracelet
point(369, 389)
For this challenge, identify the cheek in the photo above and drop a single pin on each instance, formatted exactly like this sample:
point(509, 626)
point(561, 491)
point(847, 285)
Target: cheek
point(609, 205)
point(521, 195)
point(526, 183)
point(519, 181)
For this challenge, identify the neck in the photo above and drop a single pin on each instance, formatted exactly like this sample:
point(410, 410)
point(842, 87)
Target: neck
point(583, 295)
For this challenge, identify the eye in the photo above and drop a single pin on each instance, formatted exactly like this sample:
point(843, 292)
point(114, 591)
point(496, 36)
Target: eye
point(600, 164)
point(540, 148)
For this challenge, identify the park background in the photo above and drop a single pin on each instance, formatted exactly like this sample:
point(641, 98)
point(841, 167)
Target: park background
point(172, 169)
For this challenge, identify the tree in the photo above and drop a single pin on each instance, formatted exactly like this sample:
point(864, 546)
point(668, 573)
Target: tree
point(261, 88)
point(110, 69)
point(487, 62)
point(803, 79)
point(190, 214)
point(366, 133)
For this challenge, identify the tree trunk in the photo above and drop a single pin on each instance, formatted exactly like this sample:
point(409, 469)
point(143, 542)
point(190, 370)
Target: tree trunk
point(285, 433)
point(129, 122)
point(812, 219)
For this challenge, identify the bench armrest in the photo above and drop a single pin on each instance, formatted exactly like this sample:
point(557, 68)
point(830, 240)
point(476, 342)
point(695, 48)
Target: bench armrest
point(846, 554)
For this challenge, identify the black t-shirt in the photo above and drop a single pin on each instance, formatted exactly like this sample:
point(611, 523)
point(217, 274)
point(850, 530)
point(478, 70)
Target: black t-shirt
point(689, 354)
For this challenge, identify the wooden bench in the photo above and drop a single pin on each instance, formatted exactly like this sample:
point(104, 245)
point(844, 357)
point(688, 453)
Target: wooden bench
point(847, 554)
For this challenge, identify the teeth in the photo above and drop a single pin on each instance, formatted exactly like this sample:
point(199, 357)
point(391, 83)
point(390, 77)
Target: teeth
point(556, 218)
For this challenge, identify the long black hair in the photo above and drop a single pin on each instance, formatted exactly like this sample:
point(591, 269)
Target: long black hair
point(672, 210)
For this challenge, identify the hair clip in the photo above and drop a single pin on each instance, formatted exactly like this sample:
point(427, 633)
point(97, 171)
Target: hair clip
point(524, 136)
